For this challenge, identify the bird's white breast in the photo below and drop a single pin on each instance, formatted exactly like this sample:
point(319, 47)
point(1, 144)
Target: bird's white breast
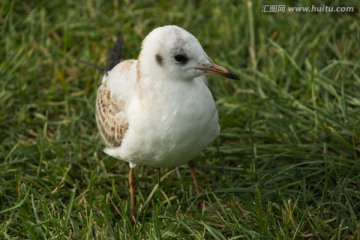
point(170, 124)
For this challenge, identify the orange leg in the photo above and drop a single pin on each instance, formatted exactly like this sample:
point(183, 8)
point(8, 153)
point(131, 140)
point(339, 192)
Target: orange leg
point(132, 196)
point(193, 174)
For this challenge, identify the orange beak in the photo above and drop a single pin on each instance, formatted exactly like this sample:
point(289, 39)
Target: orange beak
point(219, 70)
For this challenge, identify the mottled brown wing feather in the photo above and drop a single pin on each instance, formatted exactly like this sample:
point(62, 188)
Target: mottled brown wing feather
point(111, 124)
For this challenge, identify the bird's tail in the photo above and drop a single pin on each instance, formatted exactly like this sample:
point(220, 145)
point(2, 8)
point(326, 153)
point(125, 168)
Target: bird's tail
point(115, 54)
point(113, 59)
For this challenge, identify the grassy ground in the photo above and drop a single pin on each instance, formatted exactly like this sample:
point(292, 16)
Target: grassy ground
point(286, 165)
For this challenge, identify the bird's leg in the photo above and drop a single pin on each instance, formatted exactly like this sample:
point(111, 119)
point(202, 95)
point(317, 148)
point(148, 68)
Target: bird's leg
point(132, 196)
point(193, 174)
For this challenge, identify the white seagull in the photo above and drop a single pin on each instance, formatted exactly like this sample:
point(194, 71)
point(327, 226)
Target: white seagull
point(158, 110)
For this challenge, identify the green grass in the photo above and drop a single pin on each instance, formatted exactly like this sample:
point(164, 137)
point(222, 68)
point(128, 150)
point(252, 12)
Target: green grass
point(286, 165)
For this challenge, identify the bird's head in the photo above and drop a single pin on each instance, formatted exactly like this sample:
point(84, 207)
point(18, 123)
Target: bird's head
point(171, 52)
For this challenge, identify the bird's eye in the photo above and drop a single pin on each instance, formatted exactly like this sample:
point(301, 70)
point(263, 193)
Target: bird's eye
point(180, 58)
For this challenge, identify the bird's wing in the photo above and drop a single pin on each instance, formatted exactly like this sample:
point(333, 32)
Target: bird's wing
point(113, 97)
point(110, 119)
